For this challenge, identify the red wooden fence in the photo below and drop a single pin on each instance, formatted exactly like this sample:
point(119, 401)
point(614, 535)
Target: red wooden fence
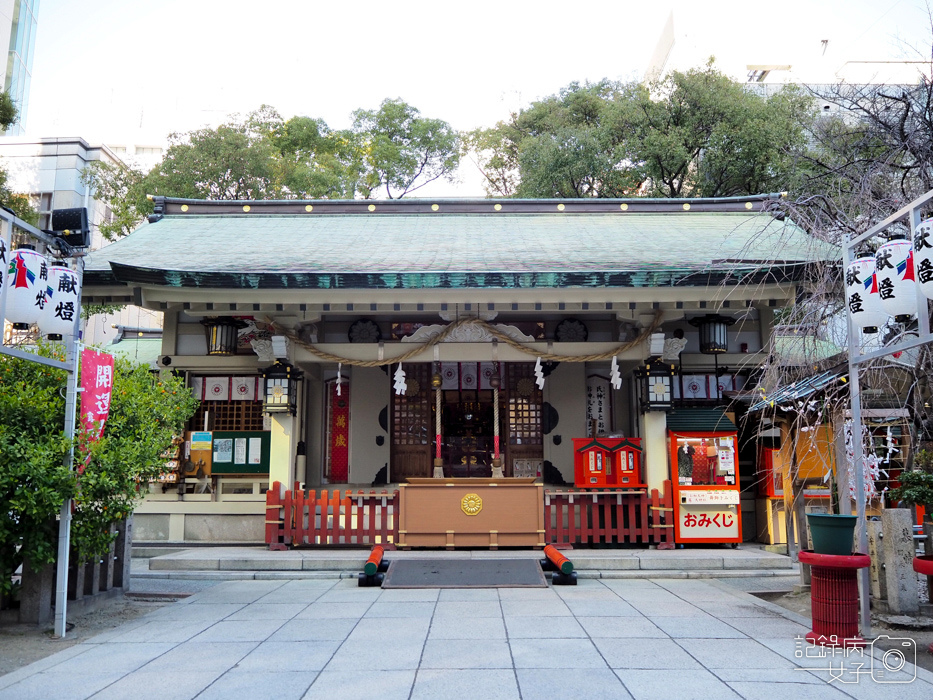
point(328, 519)
point(608, 517)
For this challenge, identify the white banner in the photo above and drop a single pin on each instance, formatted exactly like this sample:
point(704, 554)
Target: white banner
point(469, 376)
point(486, 370)
point(216, 388)
point(197, 388)
point(695, 386)
point(244, 388)
point(450, 376)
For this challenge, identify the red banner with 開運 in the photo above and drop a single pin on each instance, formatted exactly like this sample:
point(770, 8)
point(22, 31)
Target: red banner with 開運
point(96, 389)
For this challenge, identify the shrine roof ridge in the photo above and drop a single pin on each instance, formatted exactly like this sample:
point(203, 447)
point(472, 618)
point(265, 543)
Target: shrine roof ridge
point(174, 206)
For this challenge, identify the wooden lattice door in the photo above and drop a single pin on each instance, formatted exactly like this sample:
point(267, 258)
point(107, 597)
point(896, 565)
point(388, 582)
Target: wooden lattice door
point(413, 425)
point(523, 411)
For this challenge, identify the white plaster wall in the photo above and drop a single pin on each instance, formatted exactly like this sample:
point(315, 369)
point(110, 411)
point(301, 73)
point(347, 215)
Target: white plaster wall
point(565, 390)
point(369, 394)
point(654, 443)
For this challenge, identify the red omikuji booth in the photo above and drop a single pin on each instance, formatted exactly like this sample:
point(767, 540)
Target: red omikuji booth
point(703, 449)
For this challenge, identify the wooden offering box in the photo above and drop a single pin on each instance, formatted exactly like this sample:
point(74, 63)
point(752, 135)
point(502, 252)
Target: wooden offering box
point(471, 512)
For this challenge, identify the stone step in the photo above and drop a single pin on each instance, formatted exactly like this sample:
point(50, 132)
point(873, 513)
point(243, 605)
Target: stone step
point(256, 559)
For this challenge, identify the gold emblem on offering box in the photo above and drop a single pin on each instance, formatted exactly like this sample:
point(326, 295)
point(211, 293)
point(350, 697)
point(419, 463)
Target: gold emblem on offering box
point(471, 504)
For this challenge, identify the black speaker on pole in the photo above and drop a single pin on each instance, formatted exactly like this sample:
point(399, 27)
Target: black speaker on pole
point(71, 226)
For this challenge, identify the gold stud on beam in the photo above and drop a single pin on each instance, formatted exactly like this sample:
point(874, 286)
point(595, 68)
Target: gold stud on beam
point(372, 207)
point(748, 205)
point(434, 207)
point(686, 206)
point(184, 207)
point(560, 207)
point(498, 207)
point(246, 207)
point(308, 207)
point(623, 206)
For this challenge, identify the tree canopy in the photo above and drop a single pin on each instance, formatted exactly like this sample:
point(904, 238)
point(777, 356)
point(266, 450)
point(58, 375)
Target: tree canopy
point(392, 151)
point(696, 133)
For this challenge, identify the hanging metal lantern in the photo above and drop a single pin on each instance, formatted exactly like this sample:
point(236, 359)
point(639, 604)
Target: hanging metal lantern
point(222, 334)
point(63, 292)
point(862, 295)
point(26, 285)
point(654, 383)
point(713, 328)
point(280, 393)
point(923, 257)
point(894, 273)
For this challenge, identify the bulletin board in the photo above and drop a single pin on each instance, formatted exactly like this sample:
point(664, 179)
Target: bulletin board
point(241, 452)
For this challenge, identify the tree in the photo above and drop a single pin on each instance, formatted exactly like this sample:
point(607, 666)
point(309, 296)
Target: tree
point(704, 135)
point(124, 190)
point(18, 203)
point(405, 151)
point(695, 133)
point(233, 161)
point(568, 145)
point(146, 411)
point(316, 162)
point(262, 156)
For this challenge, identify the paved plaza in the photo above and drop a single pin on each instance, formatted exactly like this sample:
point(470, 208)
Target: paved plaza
point(326, 638)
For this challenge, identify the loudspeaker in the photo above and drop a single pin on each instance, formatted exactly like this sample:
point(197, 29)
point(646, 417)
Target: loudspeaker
point(71, 226)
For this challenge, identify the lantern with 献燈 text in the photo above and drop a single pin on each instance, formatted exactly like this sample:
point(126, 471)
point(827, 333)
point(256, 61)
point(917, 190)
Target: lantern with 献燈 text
point(923, 257)
point(61, 307)
point(894, 274)
point(862, 295)
point(26, 285)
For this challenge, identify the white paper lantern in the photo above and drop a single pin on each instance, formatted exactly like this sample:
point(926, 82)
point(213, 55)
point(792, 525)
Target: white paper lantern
point(862, 295)
point(894, 272)
point(58, 316)
point(26, 285)
point(923, 257)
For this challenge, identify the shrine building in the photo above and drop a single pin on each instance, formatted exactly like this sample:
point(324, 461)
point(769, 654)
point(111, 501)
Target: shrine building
point(567, 343)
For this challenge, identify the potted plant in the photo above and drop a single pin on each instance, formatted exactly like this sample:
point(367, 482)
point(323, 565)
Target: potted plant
point(916, 489)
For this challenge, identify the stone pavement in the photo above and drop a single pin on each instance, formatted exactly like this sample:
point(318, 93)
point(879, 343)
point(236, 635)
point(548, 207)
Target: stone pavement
point(326, 638)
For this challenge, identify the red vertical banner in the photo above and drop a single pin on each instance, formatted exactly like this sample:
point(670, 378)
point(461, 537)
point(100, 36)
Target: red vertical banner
point(96, 389)
point(339, 433)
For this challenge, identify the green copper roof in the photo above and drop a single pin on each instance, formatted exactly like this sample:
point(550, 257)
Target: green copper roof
point(436, 250)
